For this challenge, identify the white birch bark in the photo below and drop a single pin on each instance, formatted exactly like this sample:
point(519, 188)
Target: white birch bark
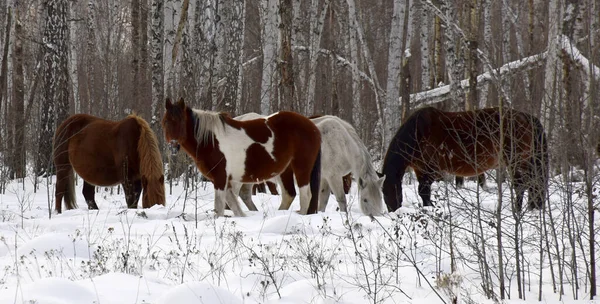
point(270, 47)
point(171, 14)
point(73, 61)
point(453, 61)
point(240, 71)
point(426, 23)
point(391, 111)
point(157, 62)
point(486, 48)
point(370, 63)
point(509, 18)
point(551, 70)
point(317, 20)
point(299, 39)
point(354, 58)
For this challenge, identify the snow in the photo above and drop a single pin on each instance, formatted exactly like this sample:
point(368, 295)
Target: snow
point(183, 254)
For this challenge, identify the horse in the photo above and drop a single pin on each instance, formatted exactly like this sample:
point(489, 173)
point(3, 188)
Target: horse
point(343, 153)
point(230, 152)
point(107, 153)
point(469, 143)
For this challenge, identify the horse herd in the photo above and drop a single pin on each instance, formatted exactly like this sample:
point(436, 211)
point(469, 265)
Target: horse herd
point(319, 153)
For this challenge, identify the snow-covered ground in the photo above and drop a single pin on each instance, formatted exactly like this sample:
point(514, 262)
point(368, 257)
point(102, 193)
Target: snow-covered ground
point(181, 253)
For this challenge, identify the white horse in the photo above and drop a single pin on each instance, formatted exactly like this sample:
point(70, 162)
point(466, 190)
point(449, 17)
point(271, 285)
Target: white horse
point(342, 152)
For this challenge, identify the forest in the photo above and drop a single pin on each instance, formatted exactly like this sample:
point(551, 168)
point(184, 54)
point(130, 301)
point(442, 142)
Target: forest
point(369, 62)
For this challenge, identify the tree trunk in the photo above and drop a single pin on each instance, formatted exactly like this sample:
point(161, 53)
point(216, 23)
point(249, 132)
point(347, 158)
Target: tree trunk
point(555, 13)
point(233, 38)
point(317, 21)
point(471, 100)
point(287, 92)
point(135, 50)
point(18, 101)
point(73, 60)
point(454, 63)
point(392, 112)
point(426, 79)
point(55, 107)
point(158, 77)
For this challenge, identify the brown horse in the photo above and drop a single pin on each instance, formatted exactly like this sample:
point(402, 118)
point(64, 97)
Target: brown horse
point(230, 152)
point(466, 144)
point(107, 153)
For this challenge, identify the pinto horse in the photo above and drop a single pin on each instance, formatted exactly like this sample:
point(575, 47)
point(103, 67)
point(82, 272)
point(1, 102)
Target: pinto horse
point(432, 142)
point(230, 152)
point(343, 153)
point(107, 153)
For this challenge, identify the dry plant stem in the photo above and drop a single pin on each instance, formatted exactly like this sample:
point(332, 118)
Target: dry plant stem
point(412, 261)
point(499, 180)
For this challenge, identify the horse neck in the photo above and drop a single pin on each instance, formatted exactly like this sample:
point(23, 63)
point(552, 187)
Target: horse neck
point(398, 157)
point(206, 126)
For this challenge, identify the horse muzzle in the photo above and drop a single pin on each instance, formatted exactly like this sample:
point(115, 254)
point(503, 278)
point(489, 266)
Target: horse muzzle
point(174, 147)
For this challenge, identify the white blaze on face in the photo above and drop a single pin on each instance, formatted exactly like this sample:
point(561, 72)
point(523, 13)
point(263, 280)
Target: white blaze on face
point(234, 144)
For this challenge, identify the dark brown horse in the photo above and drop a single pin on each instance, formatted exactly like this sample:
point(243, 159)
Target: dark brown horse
point(107, 153)
point(466, 144)
point(230, 152)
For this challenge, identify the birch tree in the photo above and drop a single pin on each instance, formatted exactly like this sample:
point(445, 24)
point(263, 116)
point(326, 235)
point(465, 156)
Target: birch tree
point(55, 105)
point(73, 59)
point(287, 91)
point(232, 48)
point(392, 115)
point(316, 23)
point(18, 101)
point(270, 46)
point(555, 13)
point(158, 80)
point(425, 58)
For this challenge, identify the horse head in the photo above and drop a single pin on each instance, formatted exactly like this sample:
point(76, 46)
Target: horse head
point(370, 194)
point(174, 124)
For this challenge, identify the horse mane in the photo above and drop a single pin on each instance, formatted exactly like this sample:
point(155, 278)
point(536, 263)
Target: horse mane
point(405, 143)
point(367, 167)
point(207, 124)
point(150, 159)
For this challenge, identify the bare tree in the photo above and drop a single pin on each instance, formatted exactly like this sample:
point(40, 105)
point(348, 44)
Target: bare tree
point(18, 152)
point(158, 80)
point(286, 68)
point(55, 106)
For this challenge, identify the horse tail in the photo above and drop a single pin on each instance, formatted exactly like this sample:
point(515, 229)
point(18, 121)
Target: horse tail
point(541, 160)
point(151, 166)
point(315, 183)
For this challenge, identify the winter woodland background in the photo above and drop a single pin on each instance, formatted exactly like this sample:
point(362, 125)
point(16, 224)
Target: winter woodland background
point(370, 62)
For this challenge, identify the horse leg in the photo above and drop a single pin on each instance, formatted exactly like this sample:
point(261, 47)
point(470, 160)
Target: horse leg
point(65, 188)
point(337, 187)
point(128, 190)
point(288, 190)
point(89, 192)
point(519, 186)
point(324, 195)
point(245, 193)
point(233, 203)
point(425, 180)
point(272, 188)
point(137, 191)
point(459, 181)
point(220, 201)
point(482, 182)
point(347, 182)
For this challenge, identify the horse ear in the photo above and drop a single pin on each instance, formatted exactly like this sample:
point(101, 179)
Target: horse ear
point(168, 103)
point(181, 103)
point(381, 180)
